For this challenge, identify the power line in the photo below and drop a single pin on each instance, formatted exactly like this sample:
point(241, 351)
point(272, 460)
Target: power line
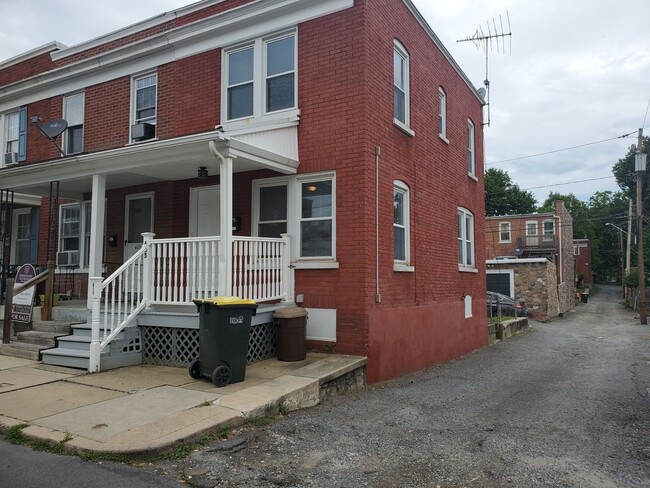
point(548, 186)
point(646, 113)
point(564, 149)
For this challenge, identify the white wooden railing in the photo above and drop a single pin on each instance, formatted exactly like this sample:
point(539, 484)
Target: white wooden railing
point(176, 271)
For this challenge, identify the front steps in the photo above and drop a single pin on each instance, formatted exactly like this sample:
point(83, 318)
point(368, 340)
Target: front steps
point(29, 344)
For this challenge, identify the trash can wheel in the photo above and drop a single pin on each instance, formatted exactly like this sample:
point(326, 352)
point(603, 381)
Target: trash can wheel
point(221, 375)
point(195, 369)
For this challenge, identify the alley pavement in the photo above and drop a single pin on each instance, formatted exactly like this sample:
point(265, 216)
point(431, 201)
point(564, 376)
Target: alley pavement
point(149, 409)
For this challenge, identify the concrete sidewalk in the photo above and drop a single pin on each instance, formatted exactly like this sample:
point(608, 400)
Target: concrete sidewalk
point(150, 409)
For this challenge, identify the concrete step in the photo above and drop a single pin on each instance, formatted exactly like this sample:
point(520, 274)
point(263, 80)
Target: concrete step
point(21, 350)
point(70, 358)
point(45, 339)
point(54, 326)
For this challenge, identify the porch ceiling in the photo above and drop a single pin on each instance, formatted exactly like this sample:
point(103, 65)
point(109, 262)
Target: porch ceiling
point(135, 164)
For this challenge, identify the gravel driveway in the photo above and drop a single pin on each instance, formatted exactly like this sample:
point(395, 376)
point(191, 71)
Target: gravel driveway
point(564, 404)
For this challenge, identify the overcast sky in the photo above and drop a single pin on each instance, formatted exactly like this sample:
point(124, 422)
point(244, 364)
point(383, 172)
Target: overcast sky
point(579, 73)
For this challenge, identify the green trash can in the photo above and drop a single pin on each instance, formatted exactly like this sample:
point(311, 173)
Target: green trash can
point(584, 297)
point(224, 332)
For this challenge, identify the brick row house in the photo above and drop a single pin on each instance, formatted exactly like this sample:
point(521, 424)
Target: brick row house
point(531, 258)
point(321, 152)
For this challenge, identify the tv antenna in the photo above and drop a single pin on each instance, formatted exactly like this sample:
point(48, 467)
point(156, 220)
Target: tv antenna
point(493, 37)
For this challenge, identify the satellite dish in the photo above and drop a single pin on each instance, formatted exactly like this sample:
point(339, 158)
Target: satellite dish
point(518, 252)
point(481, 93)
point(54, 128)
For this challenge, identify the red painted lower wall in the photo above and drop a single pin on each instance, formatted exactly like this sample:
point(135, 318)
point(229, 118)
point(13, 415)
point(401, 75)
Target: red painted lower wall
point(405, 340)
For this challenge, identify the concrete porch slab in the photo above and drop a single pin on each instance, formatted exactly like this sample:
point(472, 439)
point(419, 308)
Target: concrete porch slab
point(136, 378)
point(25, 377)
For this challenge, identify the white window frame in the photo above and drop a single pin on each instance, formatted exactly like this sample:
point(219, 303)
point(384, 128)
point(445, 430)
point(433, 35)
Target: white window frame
point(548, 237)
point(531, 223)
point(471, 149)
point(467, 301)
point(294, 215)
point(15, 224)
point(148, 120)
point(66, 117)
point(442, 114)
point(509, 231)
point(5, 132)
point(405, 125)
point(85, 215)
point(260, 115)
point(403, 265)
point(465, 262)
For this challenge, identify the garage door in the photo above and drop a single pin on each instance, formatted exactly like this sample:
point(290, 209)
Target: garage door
point(500, 283)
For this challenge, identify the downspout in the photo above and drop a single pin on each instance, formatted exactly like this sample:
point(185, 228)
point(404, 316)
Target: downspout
point(377, 294)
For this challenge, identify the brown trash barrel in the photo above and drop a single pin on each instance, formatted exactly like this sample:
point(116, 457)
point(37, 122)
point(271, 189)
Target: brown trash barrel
point(291, 333)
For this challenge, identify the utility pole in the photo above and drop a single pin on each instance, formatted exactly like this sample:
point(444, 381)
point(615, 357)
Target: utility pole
point(628, 250)
point(640, 169)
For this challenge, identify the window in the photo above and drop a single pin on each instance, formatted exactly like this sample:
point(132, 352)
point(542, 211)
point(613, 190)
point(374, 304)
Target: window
point(260, 78)
point(548, 229)
point(465, 240)
point(401, 84)
point(22, 229)
point(73, 113)
point(15, 134)
point(401, 251)
point(74, 232)
point(316, 219)
point(468, 306)
point(144, 105)
point(442, 113)
point(470, 148)
point(504, 232)
point(531, 228)
point(303, 206)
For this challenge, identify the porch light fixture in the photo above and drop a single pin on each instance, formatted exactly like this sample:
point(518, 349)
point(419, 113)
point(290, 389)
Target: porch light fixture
point(203, 173)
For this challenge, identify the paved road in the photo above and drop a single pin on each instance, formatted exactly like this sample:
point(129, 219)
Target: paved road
point(563, 405)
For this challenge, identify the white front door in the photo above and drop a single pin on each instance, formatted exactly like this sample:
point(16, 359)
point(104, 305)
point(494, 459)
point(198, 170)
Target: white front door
point(138, 219)
point(205, 217)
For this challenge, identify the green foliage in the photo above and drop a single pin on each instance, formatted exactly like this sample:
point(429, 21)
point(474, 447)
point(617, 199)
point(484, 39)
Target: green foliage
point(504, 197)
point(260, 421)
point(624, 171)
point(632, 279)
point(14, 434)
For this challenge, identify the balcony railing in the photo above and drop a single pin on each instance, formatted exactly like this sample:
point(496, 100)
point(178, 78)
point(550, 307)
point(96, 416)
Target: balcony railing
point(536, 242)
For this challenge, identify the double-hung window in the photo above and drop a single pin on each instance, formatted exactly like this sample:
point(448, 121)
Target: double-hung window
point(504, 232)
point(471, 155)
point(401, 238)
point(74, 234)
point(144, 102)
point(15, 136)
point(260, 78)
point(304, 207)
point(548, 229)
point(73, 113)
point(401, 90)
point(465, 240)
point(316, 218)
point(442, 114)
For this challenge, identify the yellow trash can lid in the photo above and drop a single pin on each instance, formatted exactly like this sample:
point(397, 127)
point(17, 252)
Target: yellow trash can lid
point(226, 301)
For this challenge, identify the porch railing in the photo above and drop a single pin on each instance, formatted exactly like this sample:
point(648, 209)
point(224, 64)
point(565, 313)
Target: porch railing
point(176, 271)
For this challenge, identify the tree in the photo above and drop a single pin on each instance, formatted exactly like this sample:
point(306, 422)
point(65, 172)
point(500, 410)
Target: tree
point(578, 210)
point(504, 197)
point(624, 171)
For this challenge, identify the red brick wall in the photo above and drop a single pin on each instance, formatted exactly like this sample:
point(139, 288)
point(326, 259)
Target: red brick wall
point(495, 248)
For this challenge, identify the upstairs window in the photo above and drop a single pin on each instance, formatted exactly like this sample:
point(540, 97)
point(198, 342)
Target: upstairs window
point(471, 166)
point(401, 92)
point(442, 113)
point(531, 228)
point(260, 78)
point(145, 98)
point(465, 240)
point(401, 231)
point(15, 136)
point(504, 232)
point(548, 229)
point(73, 113)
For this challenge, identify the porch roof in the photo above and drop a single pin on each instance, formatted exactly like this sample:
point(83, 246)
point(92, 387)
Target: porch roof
point(135, 164)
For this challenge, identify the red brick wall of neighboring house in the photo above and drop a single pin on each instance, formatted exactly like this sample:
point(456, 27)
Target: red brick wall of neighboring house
point(583, 260)
point(495, 247)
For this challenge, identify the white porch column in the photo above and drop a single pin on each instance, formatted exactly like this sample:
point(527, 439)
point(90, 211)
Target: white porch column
point(95, 296)
point(225, 247)
point(97, 224)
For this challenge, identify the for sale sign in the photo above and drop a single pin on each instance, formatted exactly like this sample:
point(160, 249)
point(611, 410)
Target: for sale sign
point(21, 306)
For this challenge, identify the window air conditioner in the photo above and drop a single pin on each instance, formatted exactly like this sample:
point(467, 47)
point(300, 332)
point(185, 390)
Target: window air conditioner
point(67, 258)
point(143, 131)
point(11, 159)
